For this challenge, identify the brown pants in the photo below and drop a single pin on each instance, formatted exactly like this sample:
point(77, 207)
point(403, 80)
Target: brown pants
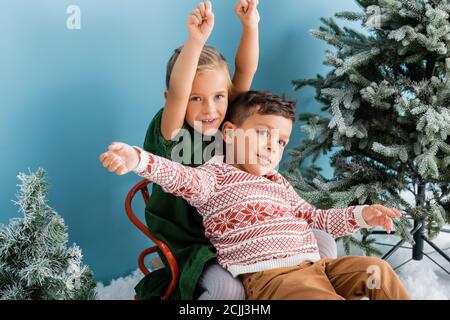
point(351, 278)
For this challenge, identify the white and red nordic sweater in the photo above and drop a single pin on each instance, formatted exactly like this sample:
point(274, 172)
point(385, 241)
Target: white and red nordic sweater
point(254, 222)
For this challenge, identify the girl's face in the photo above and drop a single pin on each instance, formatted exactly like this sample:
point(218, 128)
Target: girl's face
point(208, 101)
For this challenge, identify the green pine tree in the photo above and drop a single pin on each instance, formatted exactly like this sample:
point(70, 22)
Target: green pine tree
point(386, 112)
point(35, 262)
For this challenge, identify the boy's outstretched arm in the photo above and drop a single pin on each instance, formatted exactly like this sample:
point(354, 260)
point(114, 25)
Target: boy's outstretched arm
point(342, 222)
point(200, 24)
point(247, 56)
point(195, 185)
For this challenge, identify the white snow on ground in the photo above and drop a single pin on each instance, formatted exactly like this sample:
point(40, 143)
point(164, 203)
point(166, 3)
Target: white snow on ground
point(423, 279)
point(121, 288)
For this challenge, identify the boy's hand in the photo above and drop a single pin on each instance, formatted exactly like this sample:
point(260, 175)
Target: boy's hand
point(378, 215)
point(247, 11)
point(201, 21)
point(120, 158)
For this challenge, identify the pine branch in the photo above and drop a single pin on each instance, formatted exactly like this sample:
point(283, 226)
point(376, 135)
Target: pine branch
point(395, 99)
point(34, 260)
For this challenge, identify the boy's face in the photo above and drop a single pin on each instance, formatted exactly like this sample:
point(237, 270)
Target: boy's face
point(258, 143)
point(208, 101)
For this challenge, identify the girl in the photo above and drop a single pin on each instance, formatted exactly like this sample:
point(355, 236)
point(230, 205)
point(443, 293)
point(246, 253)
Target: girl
point(199, 87)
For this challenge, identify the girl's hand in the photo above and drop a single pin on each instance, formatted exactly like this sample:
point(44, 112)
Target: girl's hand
point(201, 21)
point(120, 158)
point(247, 11)
point(378, 215)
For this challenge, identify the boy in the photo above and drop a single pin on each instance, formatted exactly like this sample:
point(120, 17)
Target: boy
point(258, 224)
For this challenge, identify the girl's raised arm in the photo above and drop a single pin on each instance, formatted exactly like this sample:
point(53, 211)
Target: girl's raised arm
point(200, 24)
point(247, 56)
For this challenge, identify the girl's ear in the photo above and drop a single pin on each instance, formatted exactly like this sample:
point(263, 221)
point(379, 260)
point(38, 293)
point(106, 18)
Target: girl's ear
point(165, 94)
point(227, 132)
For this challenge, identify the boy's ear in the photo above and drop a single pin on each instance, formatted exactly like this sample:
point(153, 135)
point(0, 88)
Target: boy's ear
point(165, 94)
point(227, 132)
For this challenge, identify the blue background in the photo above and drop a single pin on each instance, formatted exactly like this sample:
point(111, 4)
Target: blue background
point(66, 94)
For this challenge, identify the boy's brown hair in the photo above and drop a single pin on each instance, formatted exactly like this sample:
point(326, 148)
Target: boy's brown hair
point(210, 59)
point(260, 102)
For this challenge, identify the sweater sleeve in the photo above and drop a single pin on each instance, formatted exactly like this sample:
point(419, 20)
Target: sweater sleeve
point(336, 222)
point(195, 185)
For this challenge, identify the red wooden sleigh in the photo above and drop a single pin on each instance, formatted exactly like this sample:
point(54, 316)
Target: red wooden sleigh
point(142, 186)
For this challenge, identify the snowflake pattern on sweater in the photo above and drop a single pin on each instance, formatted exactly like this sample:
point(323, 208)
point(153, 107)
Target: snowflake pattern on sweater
point(254, 222)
